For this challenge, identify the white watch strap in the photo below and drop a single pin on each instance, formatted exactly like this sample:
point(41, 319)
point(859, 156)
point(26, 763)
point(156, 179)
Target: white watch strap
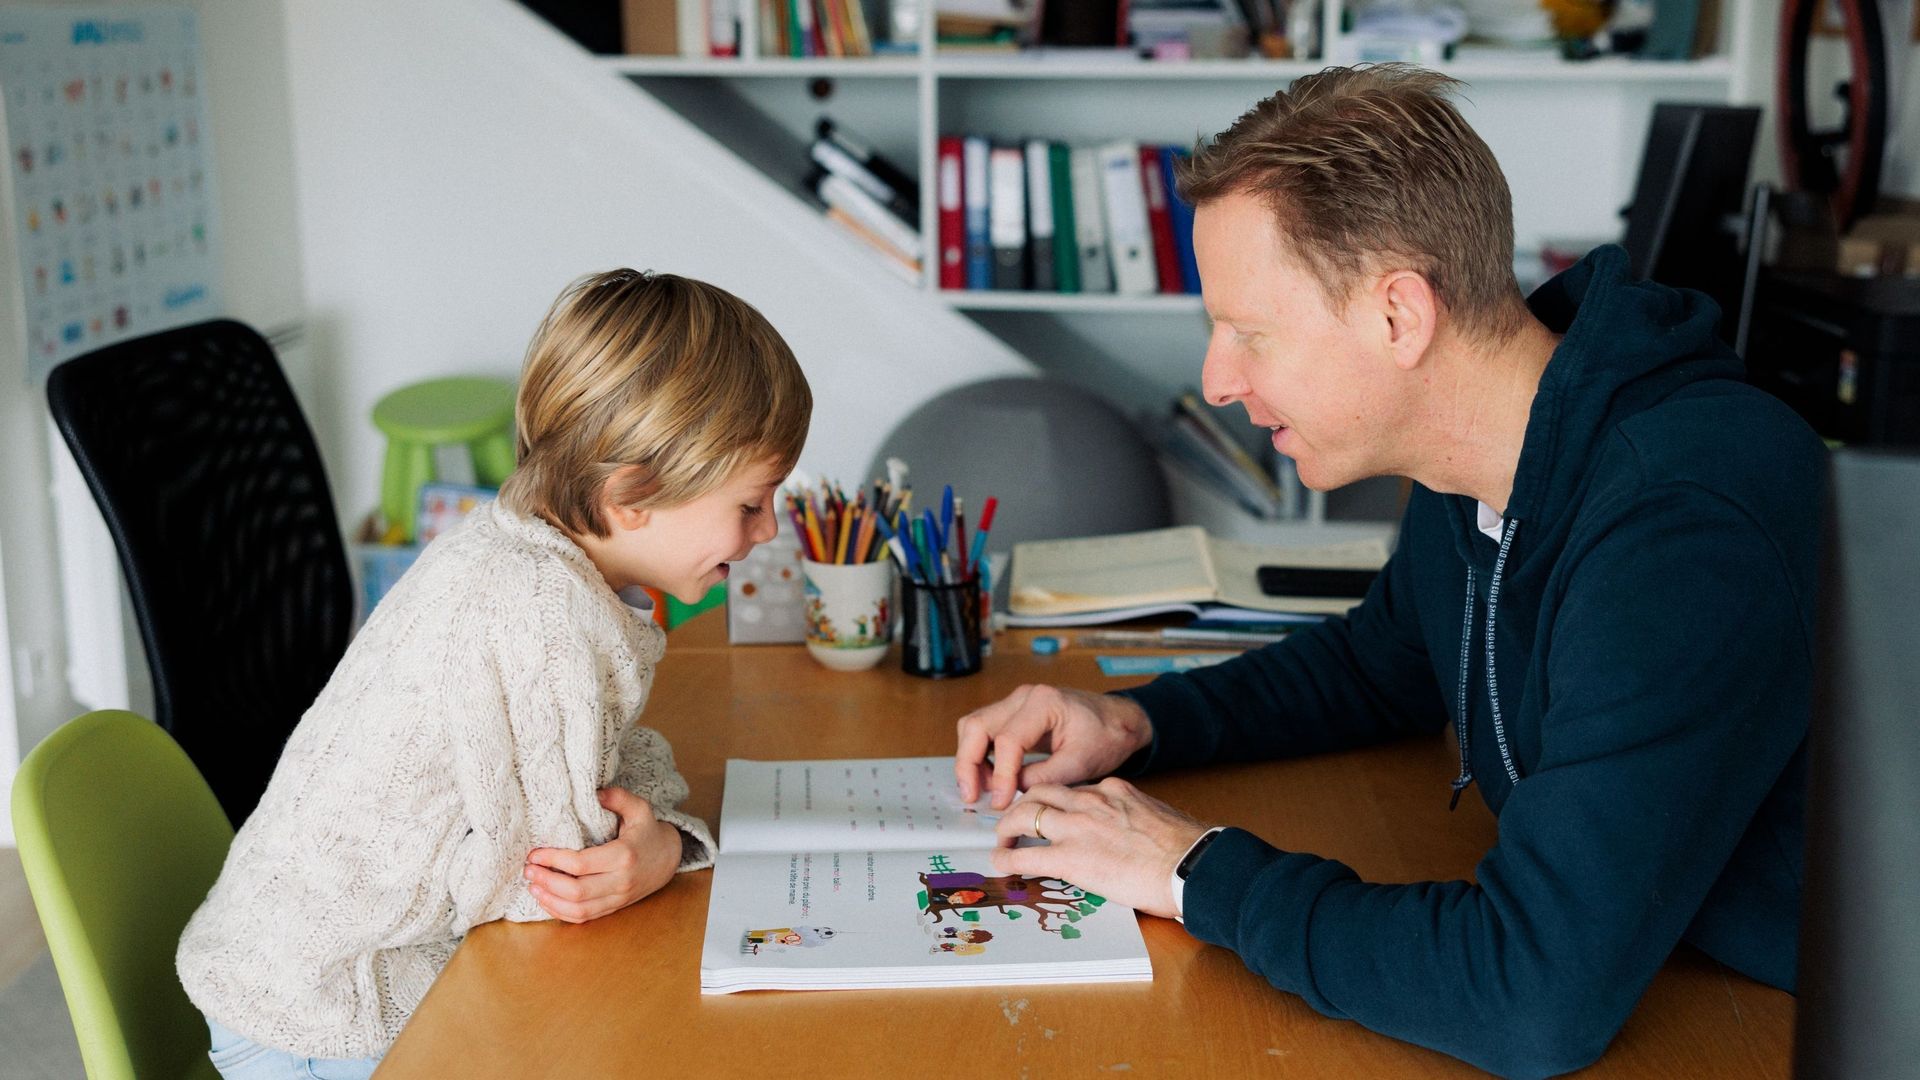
point(1178, 883)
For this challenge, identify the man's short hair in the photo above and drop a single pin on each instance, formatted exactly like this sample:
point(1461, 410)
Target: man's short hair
point(1371, 168)
point(678, 377)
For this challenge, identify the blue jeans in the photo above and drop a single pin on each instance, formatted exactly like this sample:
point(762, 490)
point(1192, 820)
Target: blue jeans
point(238, 1058)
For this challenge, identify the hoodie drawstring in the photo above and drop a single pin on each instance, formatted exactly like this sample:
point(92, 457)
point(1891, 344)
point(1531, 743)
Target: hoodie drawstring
point(1461, 782)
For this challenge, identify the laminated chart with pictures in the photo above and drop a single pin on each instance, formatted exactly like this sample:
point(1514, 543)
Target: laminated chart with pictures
point(872, 873)
point(110, 194)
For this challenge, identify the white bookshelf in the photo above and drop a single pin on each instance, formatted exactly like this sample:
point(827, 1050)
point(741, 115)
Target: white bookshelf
point(1568, 134)
point(1003, 300)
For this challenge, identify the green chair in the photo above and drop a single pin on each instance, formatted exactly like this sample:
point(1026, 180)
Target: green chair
point(121, 839)
point(463, 411)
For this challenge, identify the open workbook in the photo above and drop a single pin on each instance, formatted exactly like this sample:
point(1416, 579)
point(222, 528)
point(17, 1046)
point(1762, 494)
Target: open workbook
point(839, 875)
point(1108, 578)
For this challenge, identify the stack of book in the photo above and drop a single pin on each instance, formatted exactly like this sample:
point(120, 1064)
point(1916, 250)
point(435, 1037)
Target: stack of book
point(833, 28)
point(1047, 217)
point(869, 196)
point(693, 29)
point(1197, 439)
point(796, 28)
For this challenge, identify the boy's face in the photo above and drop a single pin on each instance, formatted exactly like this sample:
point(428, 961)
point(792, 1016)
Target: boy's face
point(1317, 377)
point(684, 550)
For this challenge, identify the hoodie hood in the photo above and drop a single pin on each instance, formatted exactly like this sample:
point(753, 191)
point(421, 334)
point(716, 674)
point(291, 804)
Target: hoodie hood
point(1627, 345)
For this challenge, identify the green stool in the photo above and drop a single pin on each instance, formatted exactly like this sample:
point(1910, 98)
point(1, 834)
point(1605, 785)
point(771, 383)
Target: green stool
point(469, 411)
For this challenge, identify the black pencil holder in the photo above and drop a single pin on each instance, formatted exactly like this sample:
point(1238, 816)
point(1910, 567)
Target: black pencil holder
point(940, 628)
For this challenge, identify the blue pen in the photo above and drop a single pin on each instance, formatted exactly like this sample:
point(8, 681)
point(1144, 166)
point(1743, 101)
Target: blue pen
point(931, 553)
point(913, 553)
point(887, 538)
point(946, 517)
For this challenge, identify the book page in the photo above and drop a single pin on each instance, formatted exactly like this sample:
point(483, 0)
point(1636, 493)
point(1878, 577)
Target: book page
point(1059, 577)
point(935, 917)
point(878, 803)
point(1238, 566)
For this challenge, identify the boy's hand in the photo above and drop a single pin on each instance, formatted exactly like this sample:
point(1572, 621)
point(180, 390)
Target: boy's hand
point(576, 886)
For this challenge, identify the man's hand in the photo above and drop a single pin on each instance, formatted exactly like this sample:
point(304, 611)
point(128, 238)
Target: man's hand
point(580, 885)
point(1109, 839)
point(1088, 735)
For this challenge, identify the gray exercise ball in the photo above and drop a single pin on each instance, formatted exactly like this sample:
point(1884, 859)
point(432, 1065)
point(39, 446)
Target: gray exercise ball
point(1061, 461)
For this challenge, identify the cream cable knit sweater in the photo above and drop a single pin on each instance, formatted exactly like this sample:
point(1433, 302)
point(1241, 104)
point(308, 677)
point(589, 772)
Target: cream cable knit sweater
point(474, 718)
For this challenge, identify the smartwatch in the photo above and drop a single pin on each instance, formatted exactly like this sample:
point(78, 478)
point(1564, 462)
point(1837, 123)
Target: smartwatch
point(1185, 867)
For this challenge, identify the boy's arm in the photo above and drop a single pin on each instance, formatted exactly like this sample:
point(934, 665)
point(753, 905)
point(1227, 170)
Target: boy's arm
point(647, 769)
point(1350, 681)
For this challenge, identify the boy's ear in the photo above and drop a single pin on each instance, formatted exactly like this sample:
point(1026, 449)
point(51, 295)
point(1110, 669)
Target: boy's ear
point(626, 518)
point(629, 484)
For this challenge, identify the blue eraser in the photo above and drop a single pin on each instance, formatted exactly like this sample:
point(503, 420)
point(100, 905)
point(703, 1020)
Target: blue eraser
point(1046, 646)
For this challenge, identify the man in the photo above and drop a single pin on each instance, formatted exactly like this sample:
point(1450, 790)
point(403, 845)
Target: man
point(1603, 586)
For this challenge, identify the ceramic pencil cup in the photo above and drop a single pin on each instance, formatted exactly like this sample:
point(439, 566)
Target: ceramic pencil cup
point(849, 612)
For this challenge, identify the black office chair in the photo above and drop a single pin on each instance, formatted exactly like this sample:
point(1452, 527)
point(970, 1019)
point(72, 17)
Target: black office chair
point(210, 482)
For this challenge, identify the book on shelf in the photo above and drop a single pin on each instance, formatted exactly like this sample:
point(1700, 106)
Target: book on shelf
point(687, 28)
point(1203, 418)
point(976, 152)
point(953, 215)
point(1007, 216)
point(1186, 442)
point(1090, 221)
point(1074, 219)
point(839, 193)
point(894, 259)
point(985, 25)
point(1166, 262)
point(1180, 217)
point(1129, 234)
point(856, 874)
point(1066, 243)
point(841, 154)
point(834, 29)
point(1040, 217)
point(1093, 578)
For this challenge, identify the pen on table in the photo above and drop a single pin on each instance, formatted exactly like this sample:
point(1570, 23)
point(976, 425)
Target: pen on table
point(960, 536)
point(930, 542)
point(946, 516)
point(980, 538)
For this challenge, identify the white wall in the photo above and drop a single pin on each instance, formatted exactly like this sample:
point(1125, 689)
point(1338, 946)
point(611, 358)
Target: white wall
point(242, 52)
point(1902, 172)
point(457, 170)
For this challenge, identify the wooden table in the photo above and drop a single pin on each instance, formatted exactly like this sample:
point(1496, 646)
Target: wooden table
point(621, 996)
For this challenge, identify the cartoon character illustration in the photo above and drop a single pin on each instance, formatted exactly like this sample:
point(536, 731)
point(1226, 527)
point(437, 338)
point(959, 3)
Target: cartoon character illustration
point(1049, 898)
point(969, 942)
point(786, 937)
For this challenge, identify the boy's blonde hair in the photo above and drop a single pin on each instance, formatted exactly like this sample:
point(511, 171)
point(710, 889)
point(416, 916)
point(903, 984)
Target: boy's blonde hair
point(1365, 165)
point(678, 377)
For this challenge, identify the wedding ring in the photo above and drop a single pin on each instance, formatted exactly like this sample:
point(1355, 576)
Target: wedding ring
point(1038, 835)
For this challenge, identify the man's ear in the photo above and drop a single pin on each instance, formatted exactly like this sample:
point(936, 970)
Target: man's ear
point(1412, 315)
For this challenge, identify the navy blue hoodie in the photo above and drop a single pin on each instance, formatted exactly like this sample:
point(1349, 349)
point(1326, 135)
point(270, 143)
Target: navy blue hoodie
point(1628, 671)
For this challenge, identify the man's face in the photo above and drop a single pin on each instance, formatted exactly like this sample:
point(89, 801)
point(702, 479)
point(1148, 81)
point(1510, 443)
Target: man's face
point(1320, 380)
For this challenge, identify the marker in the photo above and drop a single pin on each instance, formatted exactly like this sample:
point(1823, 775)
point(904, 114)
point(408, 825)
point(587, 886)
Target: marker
point(980, 538)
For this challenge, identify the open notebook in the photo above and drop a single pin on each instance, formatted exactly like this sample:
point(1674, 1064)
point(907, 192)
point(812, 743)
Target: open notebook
point(839, 875)
point(1108, 578)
